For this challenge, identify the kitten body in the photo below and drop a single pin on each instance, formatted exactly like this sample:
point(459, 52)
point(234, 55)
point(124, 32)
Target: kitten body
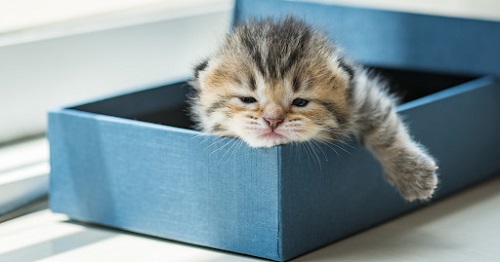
point(279, 82)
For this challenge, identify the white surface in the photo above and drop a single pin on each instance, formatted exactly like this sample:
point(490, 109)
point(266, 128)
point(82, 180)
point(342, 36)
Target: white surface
point(21, 15)
point(19, 188)
point(47, 237)
point(24, 173)
point(464, 227)
point(24, 153)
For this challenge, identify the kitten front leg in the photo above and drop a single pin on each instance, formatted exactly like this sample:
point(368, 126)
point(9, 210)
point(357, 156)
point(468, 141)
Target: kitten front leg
point(406, 164)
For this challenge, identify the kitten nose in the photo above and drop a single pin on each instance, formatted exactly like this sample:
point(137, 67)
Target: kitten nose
point(273, 122)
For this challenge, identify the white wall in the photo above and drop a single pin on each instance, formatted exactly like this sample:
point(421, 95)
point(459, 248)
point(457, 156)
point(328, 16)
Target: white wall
point(38, 75)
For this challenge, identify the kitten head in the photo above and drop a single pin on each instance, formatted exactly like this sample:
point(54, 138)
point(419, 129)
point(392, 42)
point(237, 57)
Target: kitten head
point(271, 83)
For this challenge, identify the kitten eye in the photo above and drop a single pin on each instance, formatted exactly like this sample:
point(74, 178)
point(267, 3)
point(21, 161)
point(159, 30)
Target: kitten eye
point(300, 102)
point(248, 100)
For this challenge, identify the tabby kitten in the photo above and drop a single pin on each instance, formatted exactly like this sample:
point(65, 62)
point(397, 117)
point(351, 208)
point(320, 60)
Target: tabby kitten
point(278, 82)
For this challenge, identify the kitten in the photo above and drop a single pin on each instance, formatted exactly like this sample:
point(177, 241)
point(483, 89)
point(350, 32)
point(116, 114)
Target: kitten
point(279, 82)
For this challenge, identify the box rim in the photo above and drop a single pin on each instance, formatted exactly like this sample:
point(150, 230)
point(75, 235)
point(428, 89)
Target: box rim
point(431, 98)
point(129, 90)
point(448, 92)
point(116, 119)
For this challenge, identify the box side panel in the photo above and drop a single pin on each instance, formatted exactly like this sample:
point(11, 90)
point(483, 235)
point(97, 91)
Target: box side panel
point(326, 197)
point(202, 190)
point(394, 39)
point(461, 129)
point(324, 201)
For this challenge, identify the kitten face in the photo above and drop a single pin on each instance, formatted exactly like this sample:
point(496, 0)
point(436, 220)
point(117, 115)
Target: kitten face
point(270, 87)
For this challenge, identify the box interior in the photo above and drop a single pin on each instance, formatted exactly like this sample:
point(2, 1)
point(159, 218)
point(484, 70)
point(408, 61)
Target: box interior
point(167, 105)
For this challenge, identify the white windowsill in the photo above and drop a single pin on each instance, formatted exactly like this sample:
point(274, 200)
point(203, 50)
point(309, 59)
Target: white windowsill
point(49, 21)
point(49, 65)
point(24, 173)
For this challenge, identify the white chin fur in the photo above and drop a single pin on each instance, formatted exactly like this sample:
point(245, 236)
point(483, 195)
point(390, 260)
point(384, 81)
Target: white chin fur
point(259, 141)
point(263, 143)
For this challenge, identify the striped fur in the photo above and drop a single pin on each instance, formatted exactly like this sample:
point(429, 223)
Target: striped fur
point(278, 82)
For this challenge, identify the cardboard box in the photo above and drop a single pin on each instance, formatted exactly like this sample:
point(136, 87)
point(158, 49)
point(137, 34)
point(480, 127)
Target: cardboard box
point(132, 162)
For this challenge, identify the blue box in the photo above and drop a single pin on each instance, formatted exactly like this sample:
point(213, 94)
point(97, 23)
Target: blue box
point(131, 161)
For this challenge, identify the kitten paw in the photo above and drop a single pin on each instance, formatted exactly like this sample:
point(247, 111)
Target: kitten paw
point(414, 175)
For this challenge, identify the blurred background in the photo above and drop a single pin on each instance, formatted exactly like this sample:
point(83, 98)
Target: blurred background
point(55, 53)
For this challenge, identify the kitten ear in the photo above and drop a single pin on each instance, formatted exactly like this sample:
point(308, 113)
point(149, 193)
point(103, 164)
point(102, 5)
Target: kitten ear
point(200, 67)
point(347, 66)
point(197, 70)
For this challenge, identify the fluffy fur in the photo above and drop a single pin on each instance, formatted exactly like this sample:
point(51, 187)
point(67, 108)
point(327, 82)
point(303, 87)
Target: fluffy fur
point(278, 82)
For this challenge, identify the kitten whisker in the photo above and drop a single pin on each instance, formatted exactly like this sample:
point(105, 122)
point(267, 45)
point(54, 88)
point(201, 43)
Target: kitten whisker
point(237, 146)
point(339, 147)
point(329, 144)
point(205, 137)
point(318, 160)
point(200, 135)
point(220, 148)
point(345, 143)
point(343, 149)
point(215, 142)
point(227, 151)
point(319, 147)
point(306, 149)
